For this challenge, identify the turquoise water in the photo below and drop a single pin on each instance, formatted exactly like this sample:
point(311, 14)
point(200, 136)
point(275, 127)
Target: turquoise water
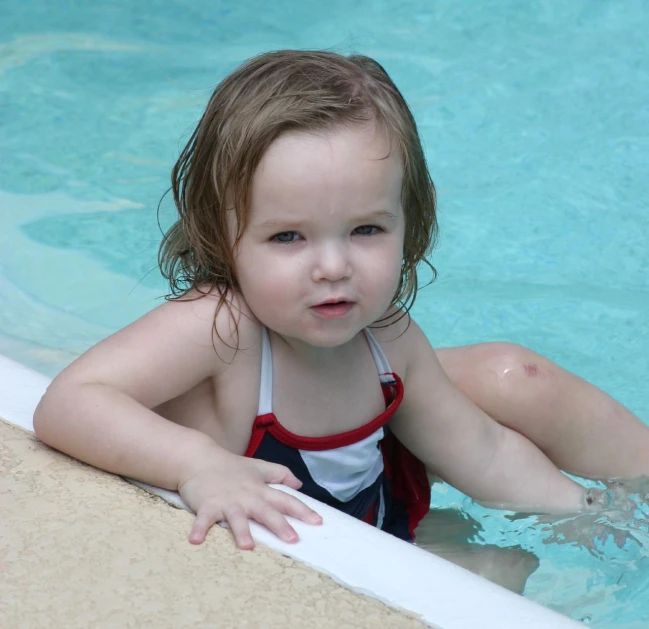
point(535, 119)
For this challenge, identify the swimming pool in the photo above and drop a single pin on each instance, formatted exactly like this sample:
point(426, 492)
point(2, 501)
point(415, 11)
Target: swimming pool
point(534, 117)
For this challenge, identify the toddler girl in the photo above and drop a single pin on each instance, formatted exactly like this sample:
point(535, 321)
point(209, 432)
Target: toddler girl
point(286, 353)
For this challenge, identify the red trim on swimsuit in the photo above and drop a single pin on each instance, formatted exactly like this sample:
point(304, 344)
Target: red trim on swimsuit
point(269, 422)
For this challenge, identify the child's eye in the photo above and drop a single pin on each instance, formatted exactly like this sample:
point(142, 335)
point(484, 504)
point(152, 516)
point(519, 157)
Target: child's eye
point(286, 237)
point(367, 230)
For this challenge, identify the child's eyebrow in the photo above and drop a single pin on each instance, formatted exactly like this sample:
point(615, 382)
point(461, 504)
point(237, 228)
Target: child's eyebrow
point(292, 224)
point(381, 214)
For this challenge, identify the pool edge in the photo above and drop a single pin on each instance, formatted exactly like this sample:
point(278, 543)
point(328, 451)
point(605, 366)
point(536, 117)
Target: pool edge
point(355, 555)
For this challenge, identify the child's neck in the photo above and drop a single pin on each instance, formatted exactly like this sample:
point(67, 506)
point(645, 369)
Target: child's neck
point(312, 356)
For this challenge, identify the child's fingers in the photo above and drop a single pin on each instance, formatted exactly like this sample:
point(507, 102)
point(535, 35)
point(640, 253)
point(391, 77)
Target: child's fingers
point(290, 505)
point(238, 522)
point(202, 524)
point(275, 522)
point(274, 473)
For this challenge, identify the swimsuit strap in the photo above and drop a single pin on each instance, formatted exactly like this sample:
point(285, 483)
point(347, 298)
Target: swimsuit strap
point(266, 385)
point(381, 360)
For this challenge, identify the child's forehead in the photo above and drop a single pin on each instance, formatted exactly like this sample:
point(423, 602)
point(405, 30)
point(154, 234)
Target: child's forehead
point(359, 161)
point(364, 142)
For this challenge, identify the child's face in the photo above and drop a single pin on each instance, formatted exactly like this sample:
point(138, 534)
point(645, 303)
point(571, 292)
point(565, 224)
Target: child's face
point(325, 225)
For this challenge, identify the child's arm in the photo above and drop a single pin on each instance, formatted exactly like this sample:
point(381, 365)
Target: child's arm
point(98, 410)
point(468, 449)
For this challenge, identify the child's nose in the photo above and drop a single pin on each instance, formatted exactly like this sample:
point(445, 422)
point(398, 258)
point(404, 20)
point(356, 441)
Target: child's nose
point(332, 263)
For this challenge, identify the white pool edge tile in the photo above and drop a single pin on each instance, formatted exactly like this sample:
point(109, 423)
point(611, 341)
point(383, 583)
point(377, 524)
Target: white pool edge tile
point(354, 554)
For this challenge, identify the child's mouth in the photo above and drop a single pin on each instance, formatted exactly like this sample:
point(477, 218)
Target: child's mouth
point(333, 310)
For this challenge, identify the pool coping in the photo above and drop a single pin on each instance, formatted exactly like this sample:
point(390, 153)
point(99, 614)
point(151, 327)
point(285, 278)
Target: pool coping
point(354, 554)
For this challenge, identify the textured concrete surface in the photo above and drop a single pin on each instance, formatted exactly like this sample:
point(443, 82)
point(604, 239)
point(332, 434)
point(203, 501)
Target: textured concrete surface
point(83, 548)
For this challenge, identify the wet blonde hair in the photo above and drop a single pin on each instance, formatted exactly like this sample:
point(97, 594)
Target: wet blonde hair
point(276, 92)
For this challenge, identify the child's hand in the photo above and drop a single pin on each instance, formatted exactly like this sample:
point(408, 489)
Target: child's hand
point(236, 489)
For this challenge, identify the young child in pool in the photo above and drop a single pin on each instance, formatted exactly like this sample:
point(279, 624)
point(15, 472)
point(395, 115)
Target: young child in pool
point(287, 354)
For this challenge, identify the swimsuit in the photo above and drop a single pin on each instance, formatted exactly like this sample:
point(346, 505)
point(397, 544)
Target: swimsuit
point(366, 472)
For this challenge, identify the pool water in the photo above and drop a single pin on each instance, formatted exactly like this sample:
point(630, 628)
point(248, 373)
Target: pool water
point(534, 117)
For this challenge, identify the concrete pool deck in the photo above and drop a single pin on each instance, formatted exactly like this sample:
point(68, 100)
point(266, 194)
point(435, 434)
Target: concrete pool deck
point(80, 547)
point(83, 548)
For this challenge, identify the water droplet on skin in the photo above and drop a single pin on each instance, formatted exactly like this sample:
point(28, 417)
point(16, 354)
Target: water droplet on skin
point(586, 620)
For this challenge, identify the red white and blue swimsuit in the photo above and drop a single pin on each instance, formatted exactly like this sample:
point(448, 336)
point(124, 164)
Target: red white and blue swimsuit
point(366, 472)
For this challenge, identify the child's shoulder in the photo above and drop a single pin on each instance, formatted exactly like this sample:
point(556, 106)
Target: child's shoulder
point(400, 338)
point(171, 349)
